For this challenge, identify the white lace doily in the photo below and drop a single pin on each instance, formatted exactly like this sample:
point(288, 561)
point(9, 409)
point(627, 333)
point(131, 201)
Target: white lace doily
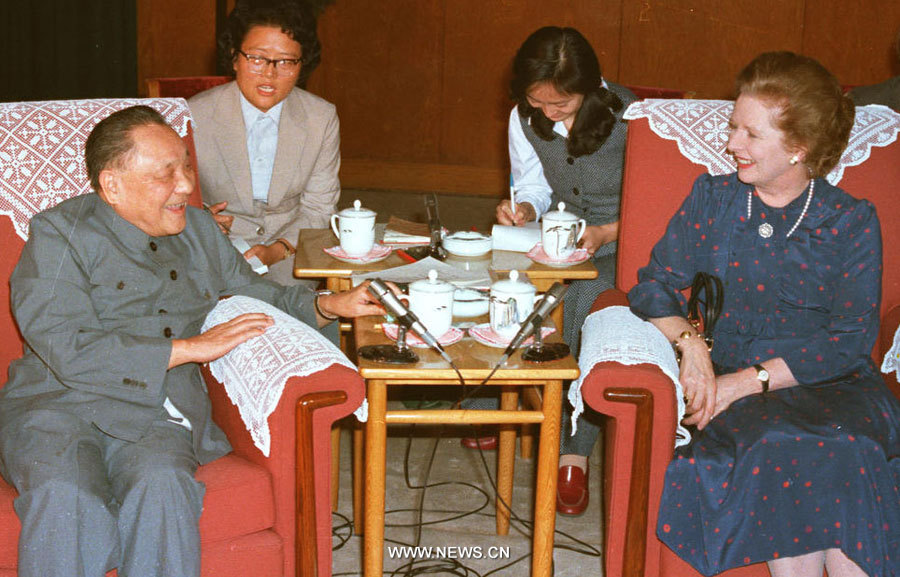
point(616, 334)
point(254, 373)
point(891, 363)
point(42, 149)
point(700, 128)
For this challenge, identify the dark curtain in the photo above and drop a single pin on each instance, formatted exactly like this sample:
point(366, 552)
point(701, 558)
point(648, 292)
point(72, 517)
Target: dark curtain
point(64, 49)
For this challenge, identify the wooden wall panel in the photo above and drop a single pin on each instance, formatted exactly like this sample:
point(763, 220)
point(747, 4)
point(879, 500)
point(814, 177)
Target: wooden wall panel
point(481, 40)
point(175, 38)
point(421, 85)
point(701, 45)
point(854, 40)
point(381, 67)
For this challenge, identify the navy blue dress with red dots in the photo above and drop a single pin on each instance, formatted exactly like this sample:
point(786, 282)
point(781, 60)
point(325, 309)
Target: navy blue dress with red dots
point(801, 469)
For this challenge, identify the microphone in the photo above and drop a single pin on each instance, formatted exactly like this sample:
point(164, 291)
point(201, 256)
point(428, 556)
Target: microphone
point(551, 298)
point(405, 316)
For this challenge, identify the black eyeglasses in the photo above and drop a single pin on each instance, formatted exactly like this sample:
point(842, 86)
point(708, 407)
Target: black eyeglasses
point(283, 66)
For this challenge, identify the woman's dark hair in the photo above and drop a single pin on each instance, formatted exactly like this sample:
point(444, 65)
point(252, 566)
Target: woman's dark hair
point(563, 58)
point(295, 18)
point(813, 111)
point(110, 143)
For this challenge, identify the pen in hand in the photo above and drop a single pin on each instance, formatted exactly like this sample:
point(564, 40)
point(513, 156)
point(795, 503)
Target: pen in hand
point(512, 200)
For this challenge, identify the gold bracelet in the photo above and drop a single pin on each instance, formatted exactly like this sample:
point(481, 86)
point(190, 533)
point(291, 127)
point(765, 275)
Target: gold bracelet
point(683, 335)
point(686, 335)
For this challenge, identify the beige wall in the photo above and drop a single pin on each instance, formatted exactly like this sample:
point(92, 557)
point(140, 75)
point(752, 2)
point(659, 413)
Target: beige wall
point(421, 85)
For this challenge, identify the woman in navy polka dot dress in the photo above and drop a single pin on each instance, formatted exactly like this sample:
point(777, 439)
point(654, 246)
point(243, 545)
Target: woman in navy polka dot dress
point(796, 458)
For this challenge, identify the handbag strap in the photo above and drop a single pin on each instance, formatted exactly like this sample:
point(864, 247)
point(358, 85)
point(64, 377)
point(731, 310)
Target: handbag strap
point(704, 311)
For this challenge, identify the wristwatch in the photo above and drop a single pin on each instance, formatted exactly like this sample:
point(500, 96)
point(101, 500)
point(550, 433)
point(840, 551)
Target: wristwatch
point(763, 375)
point(322, 314)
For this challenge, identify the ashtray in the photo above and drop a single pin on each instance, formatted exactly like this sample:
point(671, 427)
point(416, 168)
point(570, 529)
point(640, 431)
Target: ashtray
point(467, 243)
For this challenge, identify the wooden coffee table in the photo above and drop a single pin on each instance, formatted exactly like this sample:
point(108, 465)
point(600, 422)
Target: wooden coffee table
point(475, 362)
point(312, 262)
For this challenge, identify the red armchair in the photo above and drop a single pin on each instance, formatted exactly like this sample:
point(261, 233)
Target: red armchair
point(262, 516)
point(639, 401)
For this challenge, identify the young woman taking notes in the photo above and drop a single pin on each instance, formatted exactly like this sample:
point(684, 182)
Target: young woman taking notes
point(567, 144)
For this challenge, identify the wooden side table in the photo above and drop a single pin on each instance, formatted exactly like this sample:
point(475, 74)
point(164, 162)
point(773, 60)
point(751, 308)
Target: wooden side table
point(312, 262)
point(475, 362)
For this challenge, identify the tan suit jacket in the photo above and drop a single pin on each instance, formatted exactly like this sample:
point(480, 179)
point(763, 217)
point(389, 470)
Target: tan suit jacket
point(305, 186)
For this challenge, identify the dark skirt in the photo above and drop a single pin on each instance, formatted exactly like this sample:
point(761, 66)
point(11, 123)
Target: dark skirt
point(788, 473)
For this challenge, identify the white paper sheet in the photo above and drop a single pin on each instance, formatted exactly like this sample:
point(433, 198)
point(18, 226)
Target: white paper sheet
point(419, 270)
point(516, 238)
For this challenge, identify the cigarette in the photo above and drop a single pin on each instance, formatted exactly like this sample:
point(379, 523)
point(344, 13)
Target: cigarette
point(512, 199)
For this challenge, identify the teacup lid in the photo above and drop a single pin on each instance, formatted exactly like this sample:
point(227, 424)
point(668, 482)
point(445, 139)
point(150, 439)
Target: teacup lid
point(432, 284)
point(513, 285)
point(356, 211)
point(560, 214)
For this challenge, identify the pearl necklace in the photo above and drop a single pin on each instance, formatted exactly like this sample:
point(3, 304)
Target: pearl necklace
point(765, 229)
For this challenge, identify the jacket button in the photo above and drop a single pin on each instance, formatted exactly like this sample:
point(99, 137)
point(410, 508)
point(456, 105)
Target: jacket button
point(260, 231)
point(121, 285)
point(163, 311)
point(570, 160)
point(167, 332)
point(152, 246)
point(173, 275)
point(575, 191)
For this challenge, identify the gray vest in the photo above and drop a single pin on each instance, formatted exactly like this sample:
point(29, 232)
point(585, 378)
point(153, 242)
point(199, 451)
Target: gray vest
point(591, 185)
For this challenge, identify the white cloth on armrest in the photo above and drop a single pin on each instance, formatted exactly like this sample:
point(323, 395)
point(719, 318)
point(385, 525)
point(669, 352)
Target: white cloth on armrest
point(42, 149)
point(254, 373)
point(617, 334)
point(700, 128)
point(891, 361)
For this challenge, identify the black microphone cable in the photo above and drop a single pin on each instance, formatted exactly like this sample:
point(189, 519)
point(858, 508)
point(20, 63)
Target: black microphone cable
point(416, 567)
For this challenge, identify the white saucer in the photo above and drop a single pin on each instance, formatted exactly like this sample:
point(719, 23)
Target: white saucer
point(454, 335)
point(378, 252)
point(538, 255)
point(485, 335)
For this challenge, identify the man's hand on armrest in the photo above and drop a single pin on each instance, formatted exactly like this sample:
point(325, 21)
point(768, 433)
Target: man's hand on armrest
point(357, 302)
point(218, 340)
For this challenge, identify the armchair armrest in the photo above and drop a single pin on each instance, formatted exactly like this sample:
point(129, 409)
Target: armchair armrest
point(641, 409)
point(327, 397)
point(890, 324)
point(299, 446)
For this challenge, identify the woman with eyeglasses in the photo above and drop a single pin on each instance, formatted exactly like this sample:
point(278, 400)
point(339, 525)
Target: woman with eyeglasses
point(268, 151)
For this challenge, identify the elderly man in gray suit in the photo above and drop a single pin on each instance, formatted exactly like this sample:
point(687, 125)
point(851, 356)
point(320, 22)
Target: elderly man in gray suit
point(105, 418)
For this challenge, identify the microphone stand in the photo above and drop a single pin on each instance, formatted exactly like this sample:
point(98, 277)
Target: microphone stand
point(398, 353)
point(538, 351)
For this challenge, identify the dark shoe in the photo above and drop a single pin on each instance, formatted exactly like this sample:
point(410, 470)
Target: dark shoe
point(486, 443)
point(571, 491)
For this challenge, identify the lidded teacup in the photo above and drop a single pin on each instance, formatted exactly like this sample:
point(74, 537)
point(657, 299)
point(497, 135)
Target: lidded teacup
point(560, 232)
point(355, 227)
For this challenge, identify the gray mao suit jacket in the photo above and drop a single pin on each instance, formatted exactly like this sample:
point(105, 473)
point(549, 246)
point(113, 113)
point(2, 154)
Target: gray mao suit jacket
point(98, 302)
point(304, 188)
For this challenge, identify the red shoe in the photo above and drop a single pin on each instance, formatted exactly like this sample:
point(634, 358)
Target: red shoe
point(486, 443)
point(571, 491)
